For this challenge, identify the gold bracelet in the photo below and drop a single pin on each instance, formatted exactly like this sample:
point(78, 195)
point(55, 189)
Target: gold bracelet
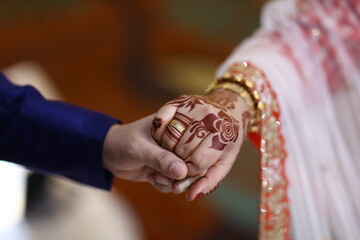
point(246, 89)
point(240, 91)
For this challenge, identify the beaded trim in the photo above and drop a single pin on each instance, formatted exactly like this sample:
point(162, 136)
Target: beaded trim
point(274, 212)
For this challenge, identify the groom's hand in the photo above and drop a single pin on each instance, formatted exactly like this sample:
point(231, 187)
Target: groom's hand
point(130, 152)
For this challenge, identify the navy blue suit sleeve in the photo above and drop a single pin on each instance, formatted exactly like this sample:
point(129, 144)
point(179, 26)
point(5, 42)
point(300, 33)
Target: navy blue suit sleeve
point(52, 137)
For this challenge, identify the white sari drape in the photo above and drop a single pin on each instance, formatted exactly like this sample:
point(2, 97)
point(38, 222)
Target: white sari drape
point(310, 54)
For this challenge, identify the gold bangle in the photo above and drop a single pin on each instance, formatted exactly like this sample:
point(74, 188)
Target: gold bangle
point(240, 91)
point(228, 80)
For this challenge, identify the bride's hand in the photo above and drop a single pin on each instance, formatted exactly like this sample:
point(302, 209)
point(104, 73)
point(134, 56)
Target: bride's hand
point(207, 132)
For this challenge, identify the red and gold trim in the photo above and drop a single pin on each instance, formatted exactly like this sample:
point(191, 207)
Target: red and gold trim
point(274, 205)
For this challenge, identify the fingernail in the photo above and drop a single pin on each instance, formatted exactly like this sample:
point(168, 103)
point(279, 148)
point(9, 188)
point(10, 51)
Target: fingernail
point(183, 185)
point(176, 169)
point(197, 197)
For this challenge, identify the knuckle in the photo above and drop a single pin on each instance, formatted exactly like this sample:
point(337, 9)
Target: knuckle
point(179, 98)
point(181, 152)
point(184, 96)
point(209, 108)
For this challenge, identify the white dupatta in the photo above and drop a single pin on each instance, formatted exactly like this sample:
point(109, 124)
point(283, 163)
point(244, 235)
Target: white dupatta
point(309, 52)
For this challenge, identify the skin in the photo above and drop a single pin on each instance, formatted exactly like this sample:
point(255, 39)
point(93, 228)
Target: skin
point(211, 142)
point(130, 152)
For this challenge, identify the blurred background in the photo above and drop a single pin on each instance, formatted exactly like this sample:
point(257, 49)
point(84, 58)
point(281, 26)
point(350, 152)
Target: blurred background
point(126, 59)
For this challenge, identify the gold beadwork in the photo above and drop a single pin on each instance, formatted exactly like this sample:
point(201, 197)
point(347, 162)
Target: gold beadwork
point(274, 211)
point(249, 84)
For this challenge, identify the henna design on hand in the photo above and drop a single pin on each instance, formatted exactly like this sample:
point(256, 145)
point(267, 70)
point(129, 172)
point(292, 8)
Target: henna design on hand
point(224, 126)
point(207, 100)
point(198, 129)
point(156, 124)
point(174, 133)
point(228, 129)
point(224, 99)
point(183, 119)
point(221, 101)
point(186, 101)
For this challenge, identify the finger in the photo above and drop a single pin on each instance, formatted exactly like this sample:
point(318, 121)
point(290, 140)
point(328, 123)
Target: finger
point(160, 187)
point(161, 179)
point(197, 132)
point(163, 161)
point(175, 129)
point(191, 140)
point(212, 178)
point(203, 157)
point(182, 185)
point(162, 118)
point(138, 175)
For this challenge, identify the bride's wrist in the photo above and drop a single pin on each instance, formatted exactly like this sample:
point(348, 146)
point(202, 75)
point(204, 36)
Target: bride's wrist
point(232, 100)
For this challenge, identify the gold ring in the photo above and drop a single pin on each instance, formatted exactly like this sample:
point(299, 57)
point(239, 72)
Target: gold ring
point(178, 126)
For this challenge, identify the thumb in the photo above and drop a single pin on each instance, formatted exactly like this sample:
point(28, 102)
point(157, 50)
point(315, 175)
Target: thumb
point(165, 162)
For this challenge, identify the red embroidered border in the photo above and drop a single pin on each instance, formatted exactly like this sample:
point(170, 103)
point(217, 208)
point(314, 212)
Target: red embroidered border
point(274, 205)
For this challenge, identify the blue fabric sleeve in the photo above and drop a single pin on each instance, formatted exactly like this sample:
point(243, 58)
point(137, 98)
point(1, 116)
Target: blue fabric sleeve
point(52, 137)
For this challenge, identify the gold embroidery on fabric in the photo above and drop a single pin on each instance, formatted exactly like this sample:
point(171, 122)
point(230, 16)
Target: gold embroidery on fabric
point(274, 205)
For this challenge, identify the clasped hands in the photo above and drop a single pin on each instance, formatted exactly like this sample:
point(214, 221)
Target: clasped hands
point(190, 143)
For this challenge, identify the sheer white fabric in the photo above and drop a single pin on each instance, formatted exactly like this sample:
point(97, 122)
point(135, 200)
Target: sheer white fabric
point(310, 52)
